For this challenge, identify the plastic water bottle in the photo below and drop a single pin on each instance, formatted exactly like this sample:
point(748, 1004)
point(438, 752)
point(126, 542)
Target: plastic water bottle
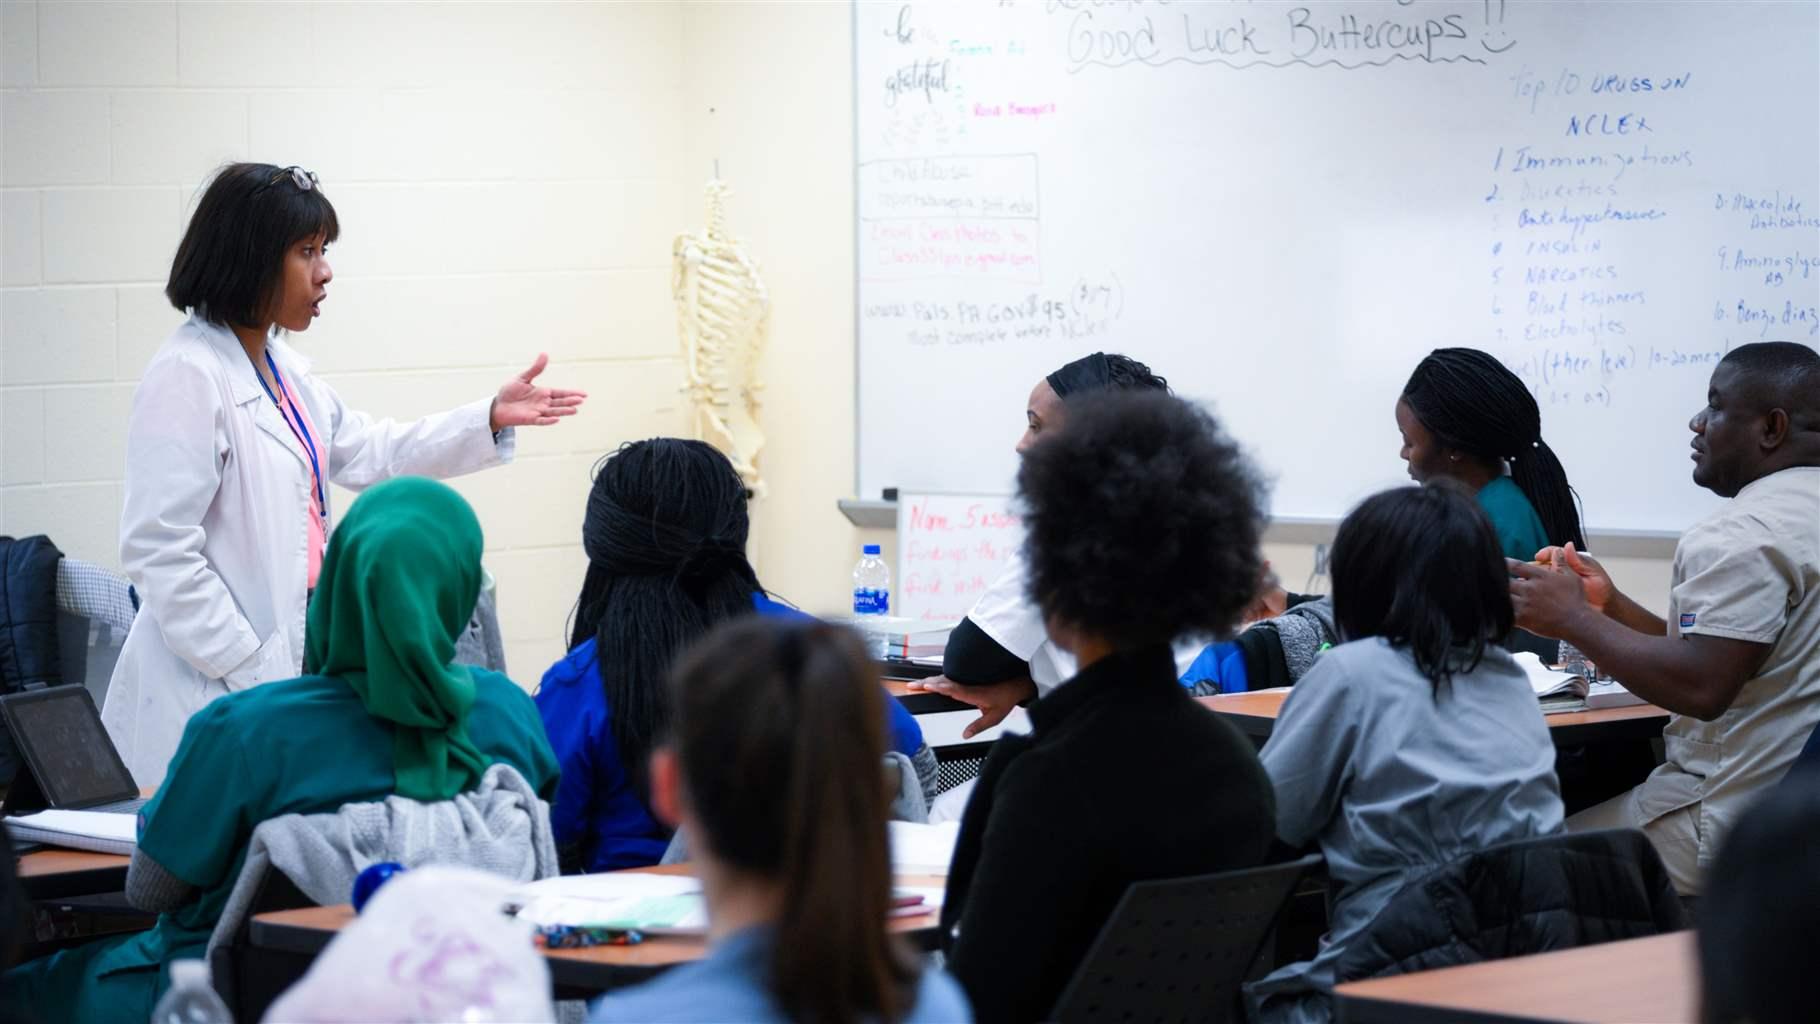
point(191, 998)
point(1573, 660)
point(872, 596)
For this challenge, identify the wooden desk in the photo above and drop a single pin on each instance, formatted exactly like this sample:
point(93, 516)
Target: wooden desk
point(573, 972)
point(1256, 714)
point(1654, 979)
point(53, 874)
point(922, 702)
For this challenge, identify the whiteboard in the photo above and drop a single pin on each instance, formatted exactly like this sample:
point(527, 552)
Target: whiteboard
point(950, 548)
point(1281, 207)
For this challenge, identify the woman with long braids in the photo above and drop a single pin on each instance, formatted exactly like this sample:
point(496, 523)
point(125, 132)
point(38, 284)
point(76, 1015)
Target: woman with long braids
point(1464, 415)
point(665, 534)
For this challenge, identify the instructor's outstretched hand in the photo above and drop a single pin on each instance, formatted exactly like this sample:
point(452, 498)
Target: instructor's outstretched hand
point(521, 402)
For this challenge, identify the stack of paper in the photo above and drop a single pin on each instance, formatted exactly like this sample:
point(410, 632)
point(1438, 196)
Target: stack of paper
point(920, 644)
point(923, 849)
point(911, 900)
point(1610, 695)
point(626, 900)
point(78, 830)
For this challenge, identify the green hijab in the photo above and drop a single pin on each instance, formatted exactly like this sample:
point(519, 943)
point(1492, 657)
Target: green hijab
point(398, 585)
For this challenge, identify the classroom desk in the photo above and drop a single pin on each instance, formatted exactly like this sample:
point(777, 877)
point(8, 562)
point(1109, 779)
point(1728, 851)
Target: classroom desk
point(1654, 979)
point(574, 973)
point(1256, 714)
point(55, 874)
point(922, 702)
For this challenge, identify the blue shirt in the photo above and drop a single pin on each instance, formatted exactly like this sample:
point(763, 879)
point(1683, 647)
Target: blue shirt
point(729, 985)
point(1223, 664)
point(597, 805)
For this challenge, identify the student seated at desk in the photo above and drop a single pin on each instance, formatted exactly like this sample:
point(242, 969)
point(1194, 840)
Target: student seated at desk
point(1001, 654)
point(381, 712)
point(1142, 525)
point(1416, 741)
point(772, 766)
point(1737, 660)
point(1463, 417)
point(665, 534)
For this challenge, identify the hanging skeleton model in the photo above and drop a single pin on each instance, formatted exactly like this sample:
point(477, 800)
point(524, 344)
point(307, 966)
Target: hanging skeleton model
point(723, 319)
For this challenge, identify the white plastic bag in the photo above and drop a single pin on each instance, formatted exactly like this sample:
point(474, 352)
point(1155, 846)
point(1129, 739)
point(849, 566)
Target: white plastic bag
point(432, 945)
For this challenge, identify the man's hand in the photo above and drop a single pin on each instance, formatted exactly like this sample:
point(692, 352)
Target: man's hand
point(994, 700)
point(1549, 602)
point(1594, 580)
point(1270, 601)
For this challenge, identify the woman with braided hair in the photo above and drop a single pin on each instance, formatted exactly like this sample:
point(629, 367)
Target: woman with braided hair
point(665, 534)
point(1464, 415)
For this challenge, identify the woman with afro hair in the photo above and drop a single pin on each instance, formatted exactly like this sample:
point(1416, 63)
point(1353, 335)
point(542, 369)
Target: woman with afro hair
point(1142, 525)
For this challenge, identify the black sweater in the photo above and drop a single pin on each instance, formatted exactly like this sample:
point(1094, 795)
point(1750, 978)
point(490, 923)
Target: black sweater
point(1123, 779)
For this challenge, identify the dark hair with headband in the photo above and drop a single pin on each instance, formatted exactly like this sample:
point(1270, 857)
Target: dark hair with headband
point(665, 535)
point(1472, 403)
point(228, 267)
point(779, 734)
point(1103, 372)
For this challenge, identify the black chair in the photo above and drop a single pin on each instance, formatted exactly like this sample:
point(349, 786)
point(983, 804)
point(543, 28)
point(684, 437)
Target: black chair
point(1180, 949)
point(958, 762)
point(250, 980)
point(1808, 760)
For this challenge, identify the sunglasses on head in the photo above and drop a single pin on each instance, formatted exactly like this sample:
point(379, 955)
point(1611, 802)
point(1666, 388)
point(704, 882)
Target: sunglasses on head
point(304, 180)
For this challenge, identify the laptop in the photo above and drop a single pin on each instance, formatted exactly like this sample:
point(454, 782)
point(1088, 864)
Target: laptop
point(67, 761)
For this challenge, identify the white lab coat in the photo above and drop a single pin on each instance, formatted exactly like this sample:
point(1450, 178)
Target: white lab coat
point(215, 529)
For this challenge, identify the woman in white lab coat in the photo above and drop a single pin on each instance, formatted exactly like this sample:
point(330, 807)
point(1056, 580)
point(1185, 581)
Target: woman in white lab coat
point(231, 446)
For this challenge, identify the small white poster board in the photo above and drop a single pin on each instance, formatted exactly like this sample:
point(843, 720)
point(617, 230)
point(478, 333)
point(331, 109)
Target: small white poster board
point(950, 548)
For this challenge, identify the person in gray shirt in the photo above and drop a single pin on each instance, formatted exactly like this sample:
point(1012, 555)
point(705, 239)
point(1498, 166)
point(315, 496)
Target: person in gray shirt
point(1416, 741)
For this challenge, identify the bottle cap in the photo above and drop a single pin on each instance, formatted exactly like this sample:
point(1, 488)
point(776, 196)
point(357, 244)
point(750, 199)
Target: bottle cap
point(189, 972)
point(369, 880)
point(870, 549)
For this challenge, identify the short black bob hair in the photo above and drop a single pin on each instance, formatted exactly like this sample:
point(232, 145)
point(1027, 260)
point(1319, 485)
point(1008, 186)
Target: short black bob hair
point(1142, 521)
point(1421, 567)
point(228, 265)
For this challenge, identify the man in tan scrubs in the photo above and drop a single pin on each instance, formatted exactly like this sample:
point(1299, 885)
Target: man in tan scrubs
point(1738, 659)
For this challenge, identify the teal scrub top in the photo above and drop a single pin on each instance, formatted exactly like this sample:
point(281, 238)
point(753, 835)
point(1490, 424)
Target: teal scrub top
point(1514, 519)
point(301, 746)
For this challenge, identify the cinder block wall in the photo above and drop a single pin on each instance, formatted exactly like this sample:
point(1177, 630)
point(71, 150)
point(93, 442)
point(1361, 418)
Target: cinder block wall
point(508, 178)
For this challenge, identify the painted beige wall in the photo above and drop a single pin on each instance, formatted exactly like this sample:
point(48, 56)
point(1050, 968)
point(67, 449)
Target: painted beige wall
point(513, 187)
point(769, 95)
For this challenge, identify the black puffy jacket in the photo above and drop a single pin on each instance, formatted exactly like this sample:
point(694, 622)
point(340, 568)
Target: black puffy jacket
point(29, 654)
point(1513, 899)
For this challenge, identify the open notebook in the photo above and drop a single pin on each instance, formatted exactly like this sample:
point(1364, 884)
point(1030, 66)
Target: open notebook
point(633, 901)
point(99, 831)
point(624, 901)
point(1565, 691)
